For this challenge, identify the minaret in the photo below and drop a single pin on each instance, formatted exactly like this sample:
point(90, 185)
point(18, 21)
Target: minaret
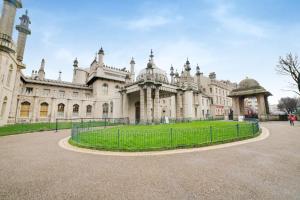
point(101, 57)
point(75, 64)
point(198, 73)
point(132, 64)
point(24, 30)
point(188, 66)
point(8, 16)
point(172, 74)
point(59, 76)
point(42, 70)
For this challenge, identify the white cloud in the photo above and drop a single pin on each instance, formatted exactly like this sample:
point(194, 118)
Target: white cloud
point(223, 14)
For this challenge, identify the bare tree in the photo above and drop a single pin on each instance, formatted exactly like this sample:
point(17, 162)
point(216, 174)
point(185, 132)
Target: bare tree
point(289, 66)
point(288, 104)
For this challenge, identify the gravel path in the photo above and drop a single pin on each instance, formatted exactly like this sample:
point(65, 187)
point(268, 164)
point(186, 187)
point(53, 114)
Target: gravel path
point(33, 166)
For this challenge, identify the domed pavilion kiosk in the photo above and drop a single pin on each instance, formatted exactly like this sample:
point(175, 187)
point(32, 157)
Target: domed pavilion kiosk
point(250, 88)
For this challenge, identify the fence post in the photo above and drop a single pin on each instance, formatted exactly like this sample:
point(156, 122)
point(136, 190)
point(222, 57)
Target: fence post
point(81, 122)
point(56, 125)
point(238, 130)
point(118, 138)
point(171, 136)
point(104, 122)
point(211, 134)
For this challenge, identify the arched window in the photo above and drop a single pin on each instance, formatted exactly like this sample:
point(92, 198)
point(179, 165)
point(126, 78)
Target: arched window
point(105, 110)
point(61, 109)
point(44, 109)
point(88, 110)
point(111, 107)
point(25, 109)
point(105, 88)
point(3, 109)
point(9, 75)
point(75, 110)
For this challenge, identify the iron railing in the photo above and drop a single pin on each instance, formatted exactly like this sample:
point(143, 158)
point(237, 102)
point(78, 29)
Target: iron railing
point(141, 138)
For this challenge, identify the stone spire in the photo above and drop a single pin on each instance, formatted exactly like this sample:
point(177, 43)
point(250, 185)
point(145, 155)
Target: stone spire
point(101, 57)
point(41, 72)
point(75, 64)
point(132, 65)
point(172, 74)
point(198, 70)
point(59, 76)
point(187, 65)
point(24, 30)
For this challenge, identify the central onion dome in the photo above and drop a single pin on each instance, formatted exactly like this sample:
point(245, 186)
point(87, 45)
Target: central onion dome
point(152, 72)
point(248, 83)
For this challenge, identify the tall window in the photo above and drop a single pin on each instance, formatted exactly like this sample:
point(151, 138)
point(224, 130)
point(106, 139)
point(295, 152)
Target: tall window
point(25, 108)
point(44, 110)
point(105, 88)
point(3, 109)
point(88, 110)
point(10, 72)
point(111, 107)
point(61, 109)
point(75, 110)
point(105, 110)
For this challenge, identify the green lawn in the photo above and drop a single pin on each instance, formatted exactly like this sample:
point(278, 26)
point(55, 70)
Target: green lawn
point(35, 127)
point(156, 137)
point(31, 127)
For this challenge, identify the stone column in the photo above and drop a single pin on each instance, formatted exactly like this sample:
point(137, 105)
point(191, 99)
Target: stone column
point(149, 98)
point(178, 105)
point(35, 110)
point(261, 107)
point(236, 107)
point(173, 107)
point(242, 106)
point(125, 105)
point(142, 106)
point(188, 105)
point(156, 106)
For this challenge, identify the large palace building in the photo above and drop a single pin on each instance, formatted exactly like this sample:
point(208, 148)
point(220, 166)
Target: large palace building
point(99, 90)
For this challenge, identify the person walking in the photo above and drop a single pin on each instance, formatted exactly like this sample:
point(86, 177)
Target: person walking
point(293, 119)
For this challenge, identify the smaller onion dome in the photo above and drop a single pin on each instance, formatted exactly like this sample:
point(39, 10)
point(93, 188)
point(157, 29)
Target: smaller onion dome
point(132, 62)
point(101, 51)
point(75, 63)
point(172, 71)
point(197, 70)
point(149, 65)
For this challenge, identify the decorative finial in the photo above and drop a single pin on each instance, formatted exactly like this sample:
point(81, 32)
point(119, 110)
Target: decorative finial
point(151, 54)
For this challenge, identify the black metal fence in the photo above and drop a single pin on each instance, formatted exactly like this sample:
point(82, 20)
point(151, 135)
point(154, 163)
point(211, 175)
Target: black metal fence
point(89, 122)
point(141, 138)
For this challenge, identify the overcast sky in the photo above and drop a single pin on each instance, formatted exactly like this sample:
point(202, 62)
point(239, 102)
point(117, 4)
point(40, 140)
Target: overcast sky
point(234, 38)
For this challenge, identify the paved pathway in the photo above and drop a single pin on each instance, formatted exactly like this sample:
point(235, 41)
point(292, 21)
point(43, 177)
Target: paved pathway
point(33, 166)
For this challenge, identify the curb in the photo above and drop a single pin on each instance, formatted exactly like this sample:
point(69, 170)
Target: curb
point(63, 143)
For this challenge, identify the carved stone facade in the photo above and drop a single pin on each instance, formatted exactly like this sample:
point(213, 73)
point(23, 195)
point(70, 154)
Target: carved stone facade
point(101, 91)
